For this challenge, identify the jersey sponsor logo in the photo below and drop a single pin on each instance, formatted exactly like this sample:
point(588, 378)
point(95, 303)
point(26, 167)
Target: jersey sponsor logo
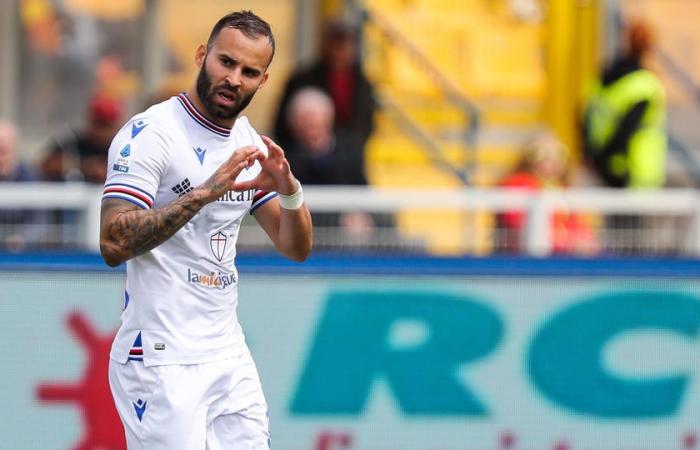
point(126, 151)
point(122, 162)
point(200, 152)
point(182, 188)
point(140, 408)
point(217, 242)
point(215, 280)
point(137, 127)
point(235, 196)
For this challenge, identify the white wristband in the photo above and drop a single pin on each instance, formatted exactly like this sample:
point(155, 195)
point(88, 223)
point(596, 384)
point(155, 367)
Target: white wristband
point(293, 201)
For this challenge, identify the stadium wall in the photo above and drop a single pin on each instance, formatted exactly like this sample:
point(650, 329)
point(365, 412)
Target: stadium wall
point(384, 353)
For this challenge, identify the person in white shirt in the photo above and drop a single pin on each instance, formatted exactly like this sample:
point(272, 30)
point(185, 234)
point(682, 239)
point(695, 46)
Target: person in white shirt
point(181, 177)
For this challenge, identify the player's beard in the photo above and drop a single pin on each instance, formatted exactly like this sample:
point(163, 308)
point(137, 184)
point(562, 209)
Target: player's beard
point(206, 93)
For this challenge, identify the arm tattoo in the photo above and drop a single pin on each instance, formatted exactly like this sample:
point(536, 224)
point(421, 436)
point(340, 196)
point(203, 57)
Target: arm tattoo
point(136, 231)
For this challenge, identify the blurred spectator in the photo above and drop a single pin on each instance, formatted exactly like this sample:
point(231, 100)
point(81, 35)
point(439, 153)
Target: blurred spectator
point(18, 228)
point(11, 168)
point(70, 50)
point(320, 155)
point(338, 73)
point(82, 155)
point(544, 165)
point(60, 54)
point(317, 153)
point(624, 132)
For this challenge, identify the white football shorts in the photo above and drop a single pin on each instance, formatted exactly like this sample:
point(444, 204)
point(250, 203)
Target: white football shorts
point(211, 406)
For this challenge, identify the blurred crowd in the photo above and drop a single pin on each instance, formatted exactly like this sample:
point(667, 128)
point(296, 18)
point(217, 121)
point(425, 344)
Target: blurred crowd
point(624, 140)
point(325, 117)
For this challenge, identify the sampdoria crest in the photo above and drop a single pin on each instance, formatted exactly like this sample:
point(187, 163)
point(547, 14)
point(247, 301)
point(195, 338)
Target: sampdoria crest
point(218, 245)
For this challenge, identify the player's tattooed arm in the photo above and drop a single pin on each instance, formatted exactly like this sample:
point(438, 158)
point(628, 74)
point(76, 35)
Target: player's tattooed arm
point(127, 231)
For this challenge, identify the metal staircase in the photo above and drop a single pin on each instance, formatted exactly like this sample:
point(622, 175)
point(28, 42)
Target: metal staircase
point(460, 84)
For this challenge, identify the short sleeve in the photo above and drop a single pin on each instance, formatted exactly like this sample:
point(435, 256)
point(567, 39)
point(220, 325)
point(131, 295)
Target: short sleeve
point(259, 197)
point(137, 160)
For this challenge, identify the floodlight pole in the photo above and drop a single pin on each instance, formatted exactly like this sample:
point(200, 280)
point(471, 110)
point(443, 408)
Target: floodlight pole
point(307, 19)
point(152, 48)
point(9, 58)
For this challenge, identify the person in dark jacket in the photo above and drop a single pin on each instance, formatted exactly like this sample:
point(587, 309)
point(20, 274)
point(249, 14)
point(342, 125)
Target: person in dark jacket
point(624, 132)
point(320, 155)
point(81, 155)
point(317, 153)
point(337, 72)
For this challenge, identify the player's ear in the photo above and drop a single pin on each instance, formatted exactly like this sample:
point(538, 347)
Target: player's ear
point(264, 80)
point(200, 55)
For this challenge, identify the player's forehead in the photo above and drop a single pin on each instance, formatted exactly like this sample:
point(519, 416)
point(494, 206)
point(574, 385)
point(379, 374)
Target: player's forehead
point(254, 51)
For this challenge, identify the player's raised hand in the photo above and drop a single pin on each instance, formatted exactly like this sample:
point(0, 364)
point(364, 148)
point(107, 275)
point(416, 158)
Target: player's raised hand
point(275, 175)
point(223, 180)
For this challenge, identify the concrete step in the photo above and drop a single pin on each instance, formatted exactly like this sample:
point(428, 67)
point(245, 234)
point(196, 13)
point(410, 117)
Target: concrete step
point(437, 112)
point(683, 123)
point(683, 167)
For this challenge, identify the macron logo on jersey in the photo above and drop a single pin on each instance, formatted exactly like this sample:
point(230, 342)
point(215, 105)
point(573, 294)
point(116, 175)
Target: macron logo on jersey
point(137, 127)
point(140, 408)
point(200, 152)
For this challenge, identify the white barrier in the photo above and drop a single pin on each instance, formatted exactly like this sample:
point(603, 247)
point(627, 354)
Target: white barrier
point(537, 206)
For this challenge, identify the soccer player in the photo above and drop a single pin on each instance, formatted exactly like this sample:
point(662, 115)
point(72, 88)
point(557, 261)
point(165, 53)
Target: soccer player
point(182, 175)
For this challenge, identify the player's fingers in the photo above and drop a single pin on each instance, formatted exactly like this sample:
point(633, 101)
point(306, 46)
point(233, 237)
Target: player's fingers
point(240, 186)
point(284, 166)
point(268, 141)
point(237, 169)
point(272, 147)
point(255, 156)
point(249, 158)
point(244, 152)
point(235, 165)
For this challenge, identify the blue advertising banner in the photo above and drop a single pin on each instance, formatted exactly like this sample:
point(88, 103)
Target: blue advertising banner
point(390, 361)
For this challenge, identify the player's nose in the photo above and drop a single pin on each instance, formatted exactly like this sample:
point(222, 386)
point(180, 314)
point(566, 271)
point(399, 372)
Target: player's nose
point(233, 78)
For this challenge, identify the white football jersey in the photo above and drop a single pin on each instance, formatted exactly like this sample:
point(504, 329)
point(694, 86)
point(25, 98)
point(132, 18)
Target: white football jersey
point(180, 298)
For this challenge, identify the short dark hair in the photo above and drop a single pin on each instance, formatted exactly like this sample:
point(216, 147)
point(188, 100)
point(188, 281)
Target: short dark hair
point(246, 22)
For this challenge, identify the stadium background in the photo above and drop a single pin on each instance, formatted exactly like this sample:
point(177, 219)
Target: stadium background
point(424, 337)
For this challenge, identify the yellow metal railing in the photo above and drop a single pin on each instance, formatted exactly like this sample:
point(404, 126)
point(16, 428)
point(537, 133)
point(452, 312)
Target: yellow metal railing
point(420, 97)
point(572, 45)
